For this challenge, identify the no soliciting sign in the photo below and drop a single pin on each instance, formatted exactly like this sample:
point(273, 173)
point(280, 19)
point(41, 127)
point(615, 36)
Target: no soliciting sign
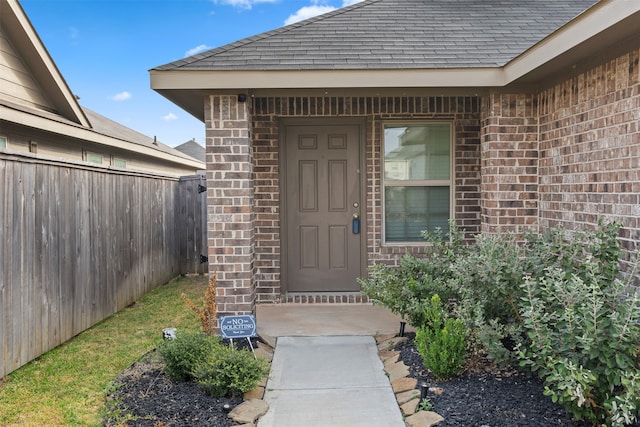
point(238, 326)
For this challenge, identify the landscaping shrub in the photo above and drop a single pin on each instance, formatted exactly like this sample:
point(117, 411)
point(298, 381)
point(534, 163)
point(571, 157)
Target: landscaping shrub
point(488, 281)
point(584, 334)
point(553, 302)
point(187, 350)
point(406, 288)
point(555, 248)
point(441, 341)
point(230, 372)
point(207, 313)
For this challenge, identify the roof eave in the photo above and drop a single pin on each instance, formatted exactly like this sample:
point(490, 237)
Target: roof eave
point(86, 134)
point(602, 26)
point(593, 32)
point(38, 57)
point(179, 85)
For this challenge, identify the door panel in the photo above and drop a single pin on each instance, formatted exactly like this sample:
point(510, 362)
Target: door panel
point(322, 194)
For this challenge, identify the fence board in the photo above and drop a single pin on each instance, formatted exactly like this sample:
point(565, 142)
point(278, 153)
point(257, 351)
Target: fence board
point(4, 288)
point(192, 210)
point(78, 244)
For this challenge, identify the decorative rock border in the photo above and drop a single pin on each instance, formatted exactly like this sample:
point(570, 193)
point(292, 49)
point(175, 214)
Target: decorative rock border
point(248, 412)
point(404, 387)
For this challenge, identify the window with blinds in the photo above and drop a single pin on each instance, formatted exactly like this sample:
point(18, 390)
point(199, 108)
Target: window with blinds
point(417, 180)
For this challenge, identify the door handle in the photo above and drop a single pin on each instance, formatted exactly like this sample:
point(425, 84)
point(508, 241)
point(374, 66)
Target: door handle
point(355, 224)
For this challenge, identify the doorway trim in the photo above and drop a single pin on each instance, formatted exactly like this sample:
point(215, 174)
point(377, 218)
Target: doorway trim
point(283, 123)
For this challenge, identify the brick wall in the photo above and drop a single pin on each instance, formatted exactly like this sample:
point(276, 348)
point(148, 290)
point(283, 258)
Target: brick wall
point(509, 163)
point(463, 112)
point(568, 155)
point(590, 149)
point(230, 198)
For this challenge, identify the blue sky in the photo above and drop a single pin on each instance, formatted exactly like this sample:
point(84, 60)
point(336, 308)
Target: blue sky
point(104, 49)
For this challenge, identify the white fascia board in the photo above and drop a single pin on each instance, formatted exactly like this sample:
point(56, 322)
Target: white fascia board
point(319, 79)
point(47, 63)
point(599, 18)
point(77, 132)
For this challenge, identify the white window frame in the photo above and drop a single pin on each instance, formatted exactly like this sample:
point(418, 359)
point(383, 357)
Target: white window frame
point(118, 162)
point(415, 183)
point(4, 141)
point(92, 157)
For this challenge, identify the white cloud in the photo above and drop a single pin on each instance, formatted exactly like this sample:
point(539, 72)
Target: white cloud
point(317, 8)
point(308, 12)
point(243, 4)
point(74, 33)
point(169, 117)
point(197, 49)
point(122, 96)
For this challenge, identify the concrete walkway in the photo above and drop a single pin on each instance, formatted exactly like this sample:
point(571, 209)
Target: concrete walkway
point(286, 320)
point(329, 382)
point(326, 371)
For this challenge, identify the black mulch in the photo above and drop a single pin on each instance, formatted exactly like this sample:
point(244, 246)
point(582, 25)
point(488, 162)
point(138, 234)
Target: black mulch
point(480, 397)
point(144, 395)
point(484, 396)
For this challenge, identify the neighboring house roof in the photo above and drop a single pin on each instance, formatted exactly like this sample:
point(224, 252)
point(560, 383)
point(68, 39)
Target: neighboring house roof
point(192, 149)
point(105, 126)
point(407, 44)
point(404, 34)
point(34, 93)
point(16, 26)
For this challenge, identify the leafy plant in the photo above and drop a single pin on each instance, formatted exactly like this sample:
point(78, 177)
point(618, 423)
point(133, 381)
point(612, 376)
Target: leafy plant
point(207, 314)
point(405, 288)
point(425, 405)
point(186, 351)
point(441, 341)
point(230, 372)
point(584, 332)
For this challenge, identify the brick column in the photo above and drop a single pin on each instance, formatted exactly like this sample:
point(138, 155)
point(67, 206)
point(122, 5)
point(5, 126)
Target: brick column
point(509, 163)
point(230, 200)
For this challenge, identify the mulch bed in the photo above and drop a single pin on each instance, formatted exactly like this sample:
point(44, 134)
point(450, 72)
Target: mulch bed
point(486, 396)
point(144, 395)
point(481, 397)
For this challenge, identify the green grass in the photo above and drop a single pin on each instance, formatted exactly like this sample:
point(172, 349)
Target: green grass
point(67, 385)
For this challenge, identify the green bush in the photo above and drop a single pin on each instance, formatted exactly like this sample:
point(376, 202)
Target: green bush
point(182, 354)
point(560, 249)
point(230, 372)
point(556, 298)
point(405, 288)
point(441, 341)
point(584, 334)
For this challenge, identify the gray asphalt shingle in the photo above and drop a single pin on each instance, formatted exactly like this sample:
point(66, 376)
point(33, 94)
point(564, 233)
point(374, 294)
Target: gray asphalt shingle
point(387, 34)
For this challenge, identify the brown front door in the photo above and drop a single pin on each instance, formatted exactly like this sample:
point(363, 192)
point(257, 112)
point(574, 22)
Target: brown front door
point(322, 197)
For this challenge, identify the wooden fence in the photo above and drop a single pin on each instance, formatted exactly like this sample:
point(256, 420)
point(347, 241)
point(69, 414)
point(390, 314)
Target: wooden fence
point(77, 244)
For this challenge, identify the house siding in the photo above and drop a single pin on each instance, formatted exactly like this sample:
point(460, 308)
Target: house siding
point(590, 149)
point(509, 187)
point(463, 112)
point(21, 139)
point(230, 197)
point(566, 154)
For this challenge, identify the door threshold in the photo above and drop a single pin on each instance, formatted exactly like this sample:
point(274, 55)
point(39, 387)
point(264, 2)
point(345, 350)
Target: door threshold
point(325, 298)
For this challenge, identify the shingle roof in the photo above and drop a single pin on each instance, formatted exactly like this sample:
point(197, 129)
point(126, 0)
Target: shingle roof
point(393, 34)
point(193, 149)
point(108, 127)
